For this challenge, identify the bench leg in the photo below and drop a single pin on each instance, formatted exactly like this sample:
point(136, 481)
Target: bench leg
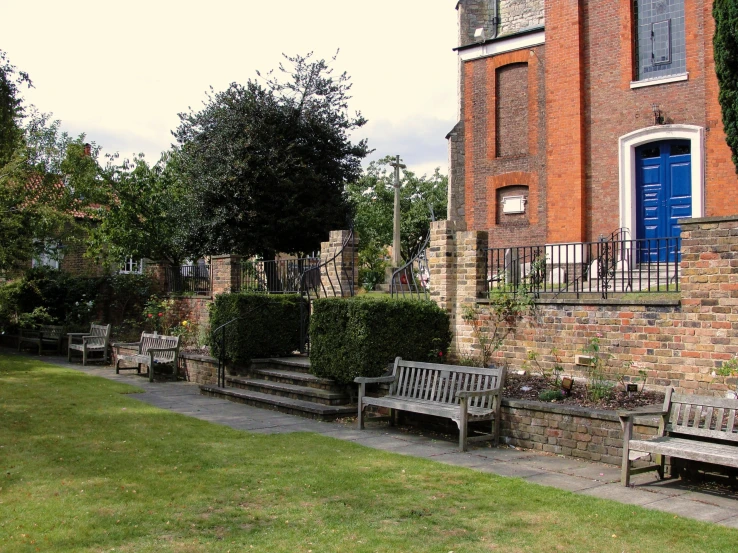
point(151, 372)
point(84, 356)
point(463, 424)
point(392, 417)
point(625, 467)
point(660, 463)
point(117, 366)
point(360, 419)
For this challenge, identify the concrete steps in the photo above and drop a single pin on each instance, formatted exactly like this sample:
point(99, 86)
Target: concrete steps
point(286, 385)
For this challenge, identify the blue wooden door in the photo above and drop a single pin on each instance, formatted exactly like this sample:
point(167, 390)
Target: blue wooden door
point(663, 196)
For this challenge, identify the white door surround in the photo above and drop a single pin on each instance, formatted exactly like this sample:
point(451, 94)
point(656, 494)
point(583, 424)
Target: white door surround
point(627, 172)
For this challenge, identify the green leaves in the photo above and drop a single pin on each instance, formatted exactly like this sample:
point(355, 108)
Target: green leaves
point(266, 166)
point(372, 198)
point(725, 43)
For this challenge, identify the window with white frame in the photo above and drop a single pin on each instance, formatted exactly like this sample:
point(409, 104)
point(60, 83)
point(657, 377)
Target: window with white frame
point(49, 257)
point(131, 266)
point(659, 37)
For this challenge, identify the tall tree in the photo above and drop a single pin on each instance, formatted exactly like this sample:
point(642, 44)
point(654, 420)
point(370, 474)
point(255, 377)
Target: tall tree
point(372, 197)
point(144, 214)
point(47, 191)
point(725, 44)
point(11, 107)
point(267, 165)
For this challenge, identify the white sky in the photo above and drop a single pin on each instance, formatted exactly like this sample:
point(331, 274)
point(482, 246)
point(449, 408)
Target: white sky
point(122, 71)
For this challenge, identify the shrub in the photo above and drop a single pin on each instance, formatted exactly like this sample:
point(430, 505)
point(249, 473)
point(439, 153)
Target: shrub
point(269, 325)
point(359, 336)
point(46, 295)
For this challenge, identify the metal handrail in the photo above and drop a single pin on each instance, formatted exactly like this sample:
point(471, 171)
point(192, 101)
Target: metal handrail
point(312, 285)
point(408, 272)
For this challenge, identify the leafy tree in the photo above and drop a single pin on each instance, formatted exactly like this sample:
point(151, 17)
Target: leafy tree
point(38, 169)
point(267, 165)
point(725, 43)
point(11, 107)
point(372, 197)
point(144, 211)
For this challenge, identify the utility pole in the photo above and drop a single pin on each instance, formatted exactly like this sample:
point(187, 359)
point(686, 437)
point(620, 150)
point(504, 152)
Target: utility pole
point(396, 260)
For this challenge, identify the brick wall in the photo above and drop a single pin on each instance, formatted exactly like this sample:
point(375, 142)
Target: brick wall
point(566, 430)
point(679, 340)
point(502, 95)
point(580, 102)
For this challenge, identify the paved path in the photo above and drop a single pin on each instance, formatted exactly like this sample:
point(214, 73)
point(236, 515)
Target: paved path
point(578, 476)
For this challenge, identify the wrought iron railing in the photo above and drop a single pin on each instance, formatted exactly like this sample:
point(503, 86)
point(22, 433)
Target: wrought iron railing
point(188, 279)
point(413, 279)
point(281, 276)
point(607, 267)
point(327, 278)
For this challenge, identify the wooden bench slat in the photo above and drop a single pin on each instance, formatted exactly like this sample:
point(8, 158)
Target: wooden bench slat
point(721, 454)
point(731, 421)
point(698, 428)
point(148, 356)
point(434, 389)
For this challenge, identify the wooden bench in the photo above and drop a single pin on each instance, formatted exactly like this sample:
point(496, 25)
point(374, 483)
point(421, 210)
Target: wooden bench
point(46, 335)
point(462, 394)
point(692, 427)
point(94, 341)
point(153, 349)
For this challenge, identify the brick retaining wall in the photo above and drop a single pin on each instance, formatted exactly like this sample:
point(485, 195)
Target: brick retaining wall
point(590, 434)
point(679, 339)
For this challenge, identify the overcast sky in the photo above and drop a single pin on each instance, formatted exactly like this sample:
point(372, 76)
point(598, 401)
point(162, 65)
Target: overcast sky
point(122, 71)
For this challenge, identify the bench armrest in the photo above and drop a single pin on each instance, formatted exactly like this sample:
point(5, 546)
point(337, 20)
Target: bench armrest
point(625, 415)
point(478, 393)
point(374, 380)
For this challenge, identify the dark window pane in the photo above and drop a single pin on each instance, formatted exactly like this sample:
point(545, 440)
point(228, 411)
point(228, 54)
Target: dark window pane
point(651, 151)
point(681, 149)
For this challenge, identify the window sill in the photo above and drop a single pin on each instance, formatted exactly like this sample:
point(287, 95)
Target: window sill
point(660, 80)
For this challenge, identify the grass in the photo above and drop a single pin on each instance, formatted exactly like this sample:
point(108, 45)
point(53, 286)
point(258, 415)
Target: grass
point(86, 467)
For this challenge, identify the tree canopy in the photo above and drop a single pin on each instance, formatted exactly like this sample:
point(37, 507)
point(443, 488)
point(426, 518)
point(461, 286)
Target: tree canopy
point(144, 214)
point(372, 197)
point(266, 165)
point(45, 176)
point(725, 43)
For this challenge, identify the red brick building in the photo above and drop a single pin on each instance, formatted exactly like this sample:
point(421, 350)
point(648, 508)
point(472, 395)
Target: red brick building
point(579, 117)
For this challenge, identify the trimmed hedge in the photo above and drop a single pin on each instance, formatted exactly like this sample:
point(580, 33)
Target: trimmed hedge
point(359, 336)
point(269, 327)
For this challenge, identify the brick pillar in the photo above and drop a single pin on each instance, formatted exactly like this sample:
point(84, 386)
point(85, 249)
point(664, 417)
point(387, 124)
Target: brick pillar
point(709, 289)
point(442, 264)
point(226, 273)
point(339, 271)
point(157, 271)
point(458, 275)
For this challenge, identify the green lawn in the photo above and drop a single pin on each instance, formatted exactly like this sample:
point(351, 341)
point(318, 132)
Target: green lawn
point(86, 467)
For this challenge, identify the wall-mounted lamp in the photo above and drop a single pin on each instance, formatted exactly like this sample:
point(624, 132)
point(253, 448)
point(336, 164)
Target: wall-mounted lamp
point(658, 118)
point(479, 34)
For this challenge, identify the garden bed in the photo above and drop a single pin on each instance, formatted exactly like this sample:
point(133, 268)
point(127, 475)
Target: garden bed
point(528, 387)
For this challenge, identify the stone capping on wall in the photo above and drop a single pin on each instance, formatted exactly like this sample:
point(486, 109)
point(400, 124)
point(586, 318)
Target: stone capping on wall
point(661, 301)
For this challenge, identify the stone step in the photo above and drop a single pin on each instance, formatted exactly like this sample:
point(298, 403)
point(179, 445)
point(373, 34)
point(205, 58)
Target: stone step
point(296, 363)
point(291, 406)
point(297, 378)
point(286, 389)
